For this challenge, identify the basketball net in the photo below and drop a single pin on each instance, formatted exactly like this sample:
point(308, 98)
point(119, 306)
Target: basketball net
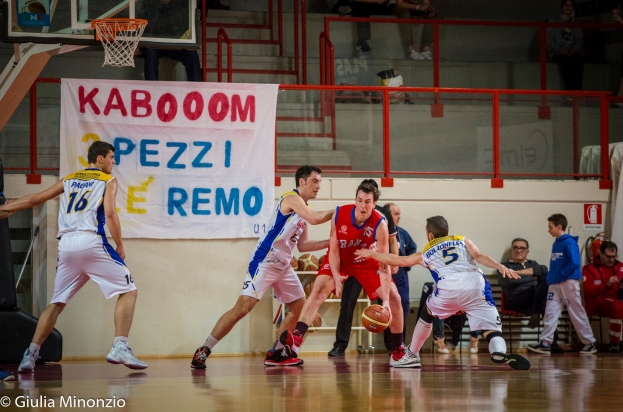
point(120, 38)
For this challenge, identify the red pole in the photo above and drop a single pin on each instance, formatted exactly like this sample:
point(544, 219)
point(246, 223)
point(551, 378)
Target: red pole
point(321, 62)
point(386, 181)
point(435, 54)
point(33, 177)
point(304, 38)
point(296, 40)
point(605, 182)
point(277, 178)
point(280, 26)
point(332, 96)
point(230, 64)
point(576, 134)
point(204, 17)
point(496, 182)
point(219, 56)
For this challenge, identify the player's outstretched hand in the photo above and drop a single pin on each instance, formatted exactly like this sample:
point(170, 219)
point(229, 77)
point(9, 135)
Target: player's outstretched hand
point(338, 287)
point(508, 273)
point(389, 310)
point(363, 253)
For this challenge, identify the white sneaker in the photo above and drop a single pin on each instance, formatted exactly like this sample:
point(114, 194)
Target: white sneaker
point(28, 361)
point(440, 345)
point(121, 354)
point(416, 56)
point(426, 55)
point(404, 358)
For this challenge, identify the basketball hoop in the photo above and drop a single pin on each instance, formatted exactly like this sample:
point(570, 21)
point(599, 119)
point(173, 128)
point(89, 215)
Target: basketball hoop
point(120, 38)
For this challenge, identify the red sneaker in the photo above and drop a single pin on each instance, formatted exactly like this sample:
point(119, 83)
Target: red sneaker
point(199, 360)
point(282, 357)
point(293, 340)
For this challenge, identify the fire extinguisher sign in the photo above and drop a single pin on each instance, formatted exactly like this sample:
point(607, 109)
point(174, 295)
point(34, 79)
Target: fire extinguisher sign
point(593, 216)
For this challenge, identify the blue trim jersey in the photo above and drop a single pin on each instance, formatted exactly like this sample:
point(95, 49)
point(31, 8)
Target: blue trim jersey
point(448, 255)
point(281, 238)
point(82, 203)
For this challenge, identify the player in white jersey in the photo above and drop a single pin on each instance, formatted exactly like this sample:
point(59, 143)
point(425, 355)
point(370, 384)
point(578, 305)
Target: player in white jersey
point(460, 287)
point(270, 266)
point(87, 203)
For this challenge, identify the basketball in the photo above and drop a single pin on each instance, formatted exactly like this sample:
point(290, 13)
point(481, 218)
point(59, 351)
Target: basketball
point(308, 288)
point(308, 262)
point(375, 318)
point(36, 7)
point(294, 263)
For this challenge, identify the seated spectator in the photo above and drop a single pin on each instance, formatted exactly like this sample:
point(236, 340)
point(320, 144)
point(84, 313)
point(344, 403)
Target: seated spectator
point(415, 9)
point(602, 281)
point(362, 8)
point(564, 45)
point(168, 18)
point(528, 294)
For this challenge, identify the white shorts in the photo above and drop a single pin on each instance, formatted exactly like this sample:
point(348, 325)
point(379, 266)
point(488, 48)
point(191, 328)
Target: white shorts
point(280, 276)
point(469, 293)
point(83, 256)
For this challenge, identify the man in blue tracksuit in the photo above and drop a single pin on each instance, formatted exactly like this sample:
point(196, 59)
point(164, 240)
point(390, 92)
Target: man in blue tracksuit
point(564, 278)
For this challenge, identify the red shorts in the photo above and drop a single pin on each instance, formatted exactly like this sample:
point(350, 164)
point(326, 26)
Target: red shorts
point(368, 276)
point(612, 308)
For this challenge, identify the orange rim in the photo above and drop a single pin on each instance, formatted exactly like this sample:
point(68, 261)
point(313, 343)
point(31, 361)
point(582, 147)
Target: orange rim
point(117, 25)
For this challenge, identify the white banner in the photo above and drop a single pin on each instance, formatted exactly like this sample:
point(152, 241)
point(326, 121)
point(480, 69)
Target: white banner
point(194, 160)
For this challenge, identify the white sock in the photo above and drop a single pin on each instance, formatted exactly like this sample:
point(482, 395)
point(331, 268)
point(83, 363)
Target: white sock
point(420, 334)
point(497, 344)
point(34, 348)
point(211, 342)
point(123, 339)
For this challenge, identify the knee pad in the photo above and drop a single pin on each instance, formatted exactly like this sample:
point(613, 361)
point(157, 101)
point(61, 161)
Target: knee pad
point(492, 335)
point(425, 315)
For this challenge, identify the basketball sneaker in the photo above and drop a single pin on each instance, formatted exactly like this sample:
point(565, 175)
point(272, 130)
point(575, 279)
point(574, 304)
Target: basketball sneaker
point(293, 340)
point(514, 361)
point(121, 354)
point(6, 376)
point(282, 357)
point(542, 348)
point(199, 360)
point(440, 345)
point(28, 361)
point(473, 344)
point(403, 358)
point(588, 349)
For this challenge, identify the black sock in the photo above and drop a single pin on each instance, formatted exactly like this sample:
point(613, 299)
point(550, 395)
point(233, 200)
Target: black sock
point(396, 340)
point(302, 327)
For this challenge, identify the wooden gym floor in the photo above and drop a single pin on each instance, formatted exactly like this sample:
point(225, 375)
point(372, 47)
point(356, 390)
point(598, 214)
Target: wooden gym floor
point(354, 383)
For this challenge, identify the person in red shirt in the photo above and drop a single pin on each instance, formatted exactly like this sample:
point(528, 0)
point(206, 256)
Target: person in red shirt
point(355, 227)
point(602, 281)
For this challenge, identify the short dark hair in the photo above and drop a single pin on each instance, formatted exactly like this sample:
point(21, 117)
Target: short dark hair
point(389, 205)
point(438, 226)
point(370, 181)
point(99, 148)
point(558, 219)
point(563, 2)
point(304, 172)
point(607, 244)
point(369, 187)
point(520, 239)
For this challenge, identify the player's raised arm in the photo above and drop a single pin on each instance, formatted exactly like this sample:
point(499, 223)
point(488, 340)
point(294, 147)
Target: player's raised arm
point(391, 259)
point(30, 201)
point(112, 219)
point(306, 245)
point(296, 203)
point(488, 261)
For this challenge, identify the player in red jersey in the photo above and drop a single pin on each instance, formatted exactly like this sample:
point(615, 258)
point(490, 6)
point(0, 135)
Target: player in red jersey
point(354, 227)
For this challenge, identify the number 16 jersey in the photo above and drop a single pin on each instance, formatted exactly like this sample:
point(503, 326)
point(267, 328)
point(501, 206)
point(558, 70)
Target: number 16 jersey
point(446, 256)
point(82, 203)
